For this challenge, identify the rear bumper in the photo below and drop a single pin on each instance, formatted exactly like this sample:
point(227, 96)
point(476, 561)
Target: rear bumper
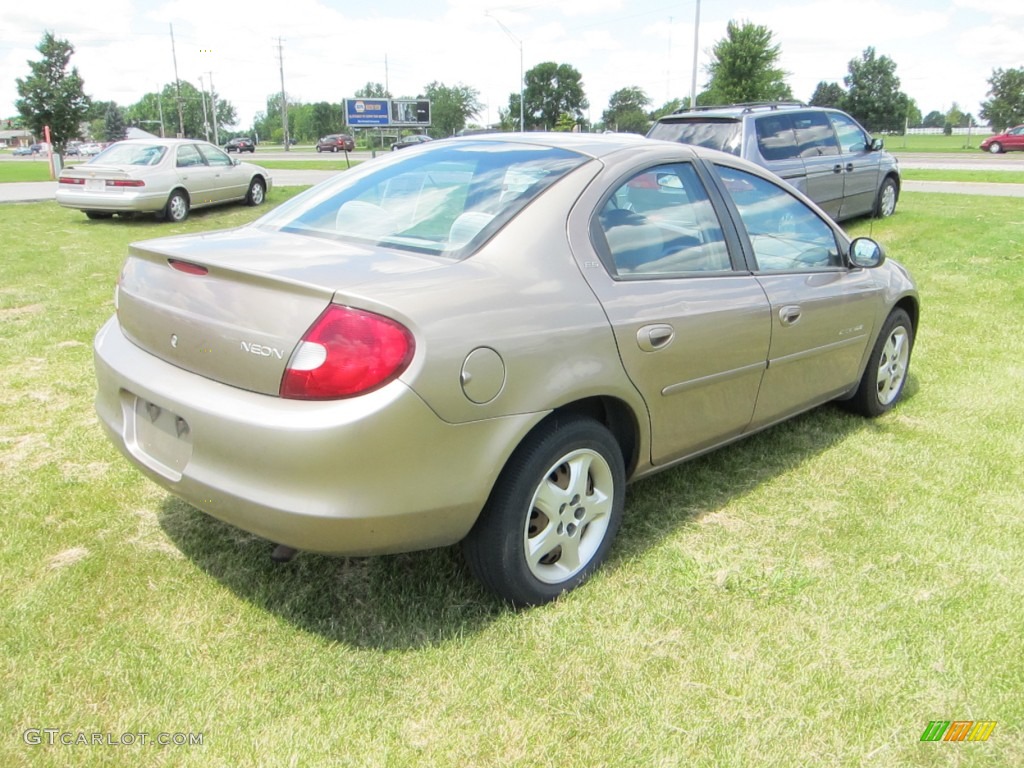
point(374, 474)
point(125, 200)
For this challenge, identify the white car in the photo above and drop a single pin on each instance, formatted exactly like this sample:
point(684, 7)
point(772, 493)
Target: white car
point(167, 177)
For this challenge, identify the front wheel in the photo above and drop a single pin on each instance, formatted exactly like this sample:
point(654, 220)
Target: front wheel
point(887, 369)
point(257, 192)
point(177, 206)
point(552, 515)
point(885, 204)
point(995, 147)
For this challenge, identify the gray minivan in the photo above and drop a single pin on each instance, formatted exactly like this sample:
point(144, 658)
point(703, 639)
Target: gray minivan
point(822, 152)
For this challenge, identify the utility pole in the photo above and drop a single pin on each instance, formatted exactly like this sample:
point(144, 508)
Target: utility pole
point(284, 97)
point(177, 85)
point(696, 44)
point(213, 106)
point(514, 39)
point(206, 120)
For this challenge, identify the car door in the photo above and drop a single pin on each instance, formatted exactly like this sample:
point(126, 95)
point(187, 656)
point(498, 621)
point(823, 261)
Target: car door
point(231, 182)
point(819, 151)
point(198, 178)
point(860, 166)
point(1014, 138)
point(692, 332)
point(822, 312)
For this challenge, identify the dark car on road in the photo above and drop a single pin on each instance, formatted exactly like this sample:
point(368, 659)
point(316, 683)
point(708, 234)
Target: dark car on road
point(336, 142)
point(411, 141)
point(240, 144)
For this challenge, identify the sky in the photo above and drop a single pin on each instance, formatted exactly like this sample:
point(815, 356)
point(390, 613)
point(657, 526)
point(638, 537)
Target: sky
point(945, 50)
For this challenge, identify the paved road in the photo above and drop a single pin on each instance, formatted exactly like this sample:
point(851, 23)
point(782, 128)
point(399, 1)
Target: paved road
point(45, 190)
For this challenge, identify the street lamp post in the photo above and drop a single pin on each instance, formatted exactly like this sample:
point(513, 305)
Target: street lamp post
point(514, 39)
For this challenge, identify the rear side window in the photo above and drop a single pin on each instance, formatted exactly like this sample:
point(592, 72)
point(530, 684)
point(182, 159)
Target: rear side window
point(775, 137)
point(723, 135)
point(814, 134)
point(660, 223)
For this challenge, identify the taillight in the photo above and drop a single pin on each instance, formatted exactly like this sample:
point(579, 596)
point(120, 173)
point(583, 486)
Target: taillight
point(125, 183)
point(70, 180)
point(346, 352)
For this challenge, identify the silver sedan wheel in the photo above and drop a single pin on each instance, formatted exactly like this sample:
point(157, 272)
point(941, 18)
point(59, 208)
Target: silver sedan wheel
point(569, 516)
point(892, 365)
point(177, 207)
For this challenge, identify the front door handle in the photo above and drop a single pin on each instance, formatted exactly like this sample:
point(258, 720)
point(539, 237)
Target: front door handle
point(651, 338)
point(789, 314)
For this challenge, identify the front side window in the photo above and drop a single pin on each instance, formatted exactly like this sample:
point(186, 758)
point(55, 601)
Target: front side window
point(215, 156)
point(851, 136)
point(661, 223)
point(784, 233)
point(443, 202)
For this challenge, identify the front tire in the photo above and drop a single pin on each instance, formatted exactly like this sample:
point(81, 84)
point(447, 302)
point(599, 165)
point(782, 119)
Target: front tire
point(552, 514)
point(886, 374)
point(995, 148)
point(177, 206)
point(885, 203)
point(257, 192)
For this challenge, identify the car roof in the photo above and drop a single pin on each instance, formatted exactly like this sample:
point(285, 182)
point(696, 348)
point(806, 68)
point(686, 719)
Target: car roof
point(746, 108)
point(163, 142)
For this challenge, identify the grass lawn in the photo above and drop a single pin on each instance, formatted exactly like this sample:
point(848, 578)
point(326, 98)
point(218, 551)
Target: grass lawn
point(913, 142)
point(307, 165)
point(24, 169)
point(812, 596)
point(945, 174)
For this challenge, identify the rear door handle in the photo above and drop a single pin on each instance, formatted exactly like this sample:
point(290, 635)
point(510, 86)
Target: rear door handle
point(849, 167)
point(651, 338)
point(837, 168)
point(789, 314)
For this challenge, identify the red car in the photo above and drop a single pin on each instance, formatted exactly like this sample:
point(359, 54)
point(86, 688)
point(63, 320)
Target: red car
point(1004, 142)
point(336, 142)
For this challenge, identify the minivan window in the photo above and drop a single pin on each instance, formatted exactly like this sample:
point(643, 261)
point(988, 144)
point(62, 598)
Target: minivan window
point(775, 137)
point(851, 135)
point(723, 135)
point(814, 134)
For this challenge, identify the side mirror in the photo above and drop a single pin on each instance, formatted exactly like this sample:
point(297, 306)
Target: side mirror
point(866, 253)
point(877, 145)
point(236, 161)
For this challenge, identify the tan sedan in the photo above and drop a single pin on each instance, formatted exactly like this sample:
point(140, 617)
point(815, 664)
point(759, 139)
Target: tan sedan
point(485, 340)
point(168, 177)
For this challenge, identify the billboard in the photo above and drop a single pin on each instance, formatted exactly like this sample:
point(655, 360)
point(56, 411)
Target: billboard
point(367, 111)
point(387, 112)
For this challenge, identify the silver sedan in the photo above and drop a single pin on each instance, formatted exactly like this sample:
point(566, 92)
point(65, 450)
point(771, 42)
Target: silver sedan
point(485, 340)
point(168, 177)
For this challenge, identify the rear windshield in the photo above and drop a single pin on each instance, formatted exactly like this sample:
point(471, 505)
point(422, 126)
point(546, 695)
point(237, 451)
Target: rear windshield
point(130, 154)
point(443, 202)
point(723, 135)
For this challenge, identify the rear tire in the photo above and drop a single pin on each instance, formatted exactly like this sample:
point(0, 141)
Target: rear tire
point(552, 515)
point(177, 206)
point(882, 384)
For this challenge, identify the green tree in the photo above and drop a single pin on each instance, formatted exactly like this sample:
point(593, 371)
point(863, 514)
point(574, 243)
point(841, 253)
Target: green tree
point(113, 123)
point(913, 112)
point(627, 111)
point(1005, 108)
point(933, 119)
point(669, 107)
point(325, 118)
point(828, 95)
point(373, 91)
point(51, 95)
point(147, 111)
point(873, 95)
point(451, 107)
point(743, 67)
point(552, 90)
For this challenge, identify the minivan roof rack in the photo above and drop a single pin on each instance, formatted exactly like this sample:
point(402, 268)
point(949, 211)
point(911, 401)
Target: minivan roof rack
point(745, 106)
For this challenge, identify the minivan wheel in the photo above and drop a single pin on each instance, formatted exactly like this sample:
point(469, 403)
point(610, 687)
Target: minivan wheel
point(886, 373)
point(552, 515)
point(995, 147)
point(885, 205)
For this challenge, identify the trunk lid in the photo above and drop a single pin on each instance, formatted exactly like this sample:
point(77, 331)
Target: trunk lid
point(231, 306)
